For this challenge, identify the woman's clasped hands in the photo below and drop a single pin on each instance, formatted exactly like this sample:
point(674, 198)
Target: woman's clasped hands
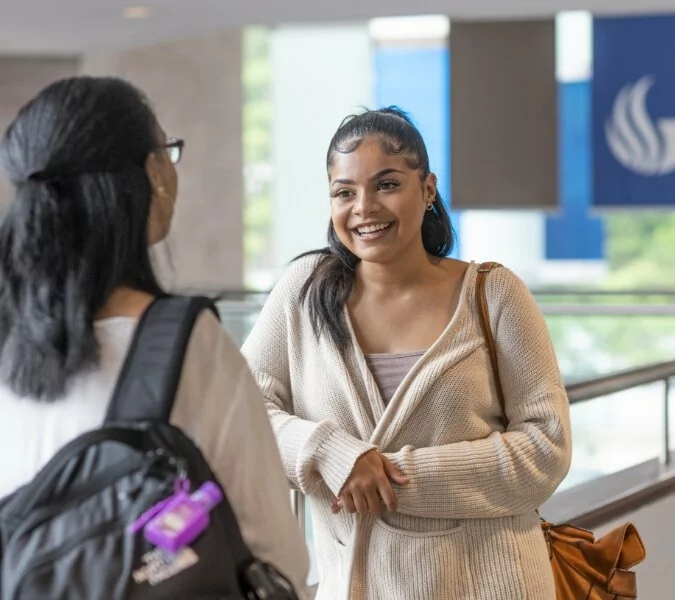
point(369, 487)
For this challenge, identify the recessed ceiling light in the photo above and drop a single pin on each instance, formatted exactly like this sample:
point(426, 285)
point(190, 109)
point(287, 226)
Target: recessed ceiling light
point(424, 27)
point(137, 12)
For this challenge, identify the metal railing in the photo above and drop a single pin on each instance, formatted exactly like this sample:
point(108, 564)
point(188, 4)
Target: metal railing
point(611, 497)
point(578, 292)
point(621, 381)
point(632, 302)
point(629, 310)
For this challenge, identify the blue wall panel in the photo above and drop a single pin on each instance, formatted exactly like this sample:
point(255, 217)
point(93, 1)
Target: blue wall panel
point(574, 235)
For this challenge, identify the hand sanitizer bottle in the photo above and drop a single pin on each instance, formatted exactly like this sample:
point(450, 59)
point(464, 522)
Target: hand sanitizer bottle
point(184, 518)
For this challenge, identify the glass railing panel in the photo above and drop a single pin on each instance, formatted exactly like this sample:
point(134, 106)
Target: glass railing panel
point(588, 346)
point(238, 317)
point(615, 432)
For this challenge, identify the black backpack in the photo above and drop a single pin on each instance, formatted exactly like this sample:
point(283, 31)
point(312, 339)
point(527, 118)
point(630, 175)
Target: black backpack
point(65, 535)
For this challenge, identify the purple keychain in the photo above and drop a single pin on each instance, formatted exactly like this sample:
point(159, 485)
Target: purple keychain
point(180, 519)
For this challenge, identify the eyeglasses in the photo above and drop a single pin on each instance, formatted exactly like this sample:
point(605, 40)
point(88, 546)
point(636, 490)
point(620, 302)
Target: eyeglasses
point(174, 148)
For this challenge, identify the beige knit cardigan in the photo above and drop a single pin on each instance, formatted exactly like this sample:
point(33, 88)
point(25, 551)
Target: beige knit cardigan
point(466, 527)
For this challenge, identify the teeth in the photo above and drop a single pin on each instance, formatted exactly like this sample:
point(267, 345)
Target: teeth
point(372, 228)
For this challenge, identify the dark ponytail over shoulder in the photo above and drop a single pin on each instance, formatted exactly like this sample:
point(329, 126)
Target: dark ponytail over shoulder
point(327, 289)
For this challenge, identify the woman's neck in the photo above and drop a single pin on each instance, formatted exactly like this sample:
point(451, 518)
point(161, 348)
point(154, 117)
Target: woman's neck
point(412, 270)
point(125, 302)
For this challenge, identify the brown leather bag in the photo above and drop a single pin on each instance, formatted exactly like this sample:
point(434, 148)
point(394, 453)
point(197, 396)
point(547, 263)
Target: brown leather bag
point(583, 568)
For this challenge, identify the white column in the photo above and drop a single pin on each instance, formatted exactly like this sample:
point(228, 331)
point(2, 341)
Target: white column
point(514, 238)
point(320, 75)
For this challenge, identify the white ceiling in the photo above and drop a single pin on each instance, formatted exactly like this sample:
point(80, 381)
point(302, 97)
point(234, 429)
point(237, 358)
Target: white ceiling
point(71, 26)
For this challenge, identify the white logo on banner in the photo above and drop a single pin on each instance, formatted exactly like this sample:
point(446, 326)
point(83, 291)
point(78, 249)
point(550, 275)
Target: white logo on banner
point(637, 142)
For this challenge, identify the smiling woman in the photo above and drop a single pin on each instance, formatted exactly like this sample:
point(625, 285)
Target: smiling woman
point(373, 365)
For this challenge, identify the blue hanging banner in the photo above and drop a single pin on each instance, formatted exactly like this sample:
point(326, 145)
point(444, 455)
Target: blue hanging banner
point(634, 112)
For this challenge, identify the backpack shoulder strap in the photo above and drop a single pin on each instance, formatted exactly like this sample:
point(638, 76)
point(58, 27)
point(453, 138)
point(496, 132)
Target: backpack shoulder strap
point(484, 270)
point(151, 372)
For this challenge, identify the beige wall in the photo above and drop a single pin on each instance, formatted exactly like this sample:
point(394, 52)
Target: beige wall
point(195, 86)
point(20, 80)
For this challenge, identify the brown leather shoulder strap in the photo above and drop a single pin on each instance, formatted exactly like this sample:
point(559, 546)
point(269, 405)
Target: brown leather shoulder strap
point(483, 270)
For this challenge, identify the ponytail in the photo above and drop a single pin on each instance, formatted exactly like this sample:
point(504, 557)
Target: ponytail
point(46, 332)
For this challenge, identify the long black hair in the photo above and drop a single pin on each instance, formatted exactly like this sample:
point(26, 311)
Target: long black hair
point(327, 289)
point(76, 229)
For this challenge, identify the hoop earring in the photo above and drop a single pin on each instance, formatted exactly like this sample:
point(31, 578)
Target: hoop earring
point(430, 205)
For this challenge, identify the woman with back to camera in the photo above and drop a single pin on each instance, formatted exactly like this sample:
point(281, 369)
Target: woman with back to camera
point(95, 187)
point(377, 380)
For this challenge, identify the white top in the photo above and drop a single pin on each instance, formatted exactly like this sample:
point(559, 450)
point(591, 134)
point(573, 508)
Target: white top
point(466, 526)
point(217, 404)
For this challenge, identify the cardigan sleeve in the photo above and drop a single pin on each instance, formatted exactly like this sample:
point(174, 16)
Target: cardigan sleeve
point(508, 473)
point(311, 452)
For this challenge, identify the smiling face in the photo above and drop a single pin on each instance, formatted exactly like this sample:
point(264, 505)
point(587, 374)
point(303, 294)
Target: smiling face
point(378, 201)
